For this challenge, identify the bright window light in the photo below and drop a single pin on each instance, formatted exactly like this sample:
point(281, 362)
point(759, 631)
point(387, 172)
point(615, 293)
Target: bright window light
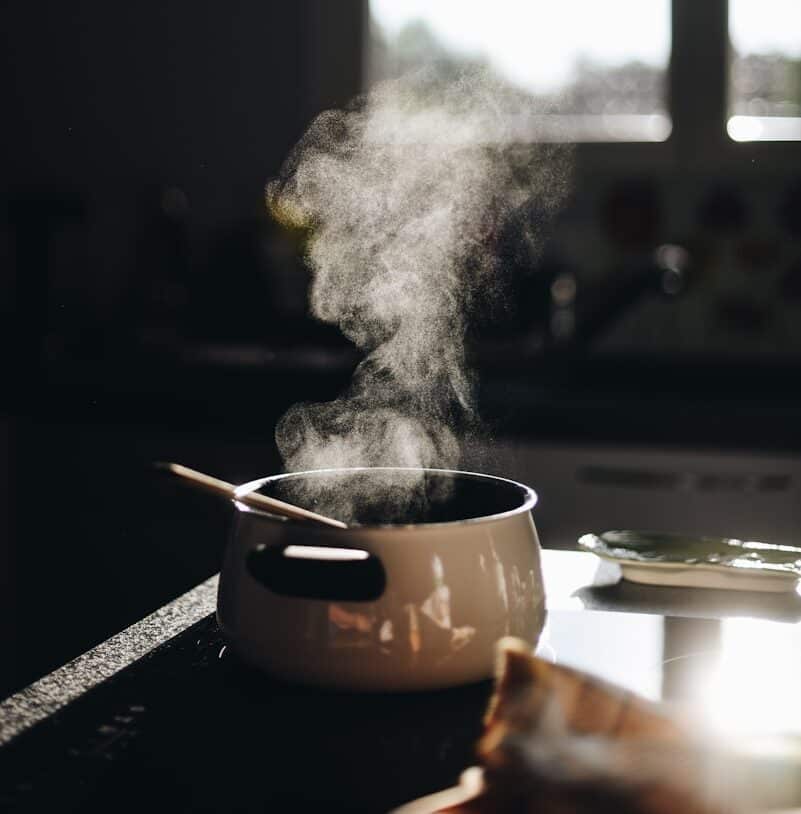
point(754, 688)
point(765, 75)
point(600, 66)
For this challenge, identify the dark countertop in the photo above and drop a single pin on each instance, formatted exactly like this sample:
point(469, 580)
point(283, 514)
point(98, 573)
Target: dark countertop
point(574, 581)
point(47, 695)
point(163, 714)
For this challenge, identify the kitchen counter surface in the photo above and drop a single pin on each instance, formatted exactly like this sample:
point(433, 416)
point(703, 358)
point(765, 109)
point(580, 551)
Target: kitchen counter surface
point(53, 691)
point(163, 709)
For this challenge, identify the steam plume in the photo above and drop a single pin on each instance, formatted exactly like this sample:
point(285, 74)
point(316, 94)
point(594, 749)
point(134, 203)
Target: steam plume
point(405, 193)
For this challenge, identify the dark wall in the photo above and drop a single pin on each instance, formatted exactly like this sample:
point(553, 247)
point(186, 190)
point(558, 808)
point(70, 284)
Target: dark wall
point(137, 139)
point(205, 96)
point(117, 112)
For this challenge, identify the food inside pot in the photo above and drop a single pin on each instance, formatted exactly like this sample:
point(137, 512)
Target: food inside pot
point(398, 496)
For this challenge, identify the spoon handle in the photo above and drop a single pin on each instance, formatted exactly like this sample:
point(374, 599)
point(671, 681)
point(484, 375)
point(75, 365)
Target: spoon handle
point(256, 500)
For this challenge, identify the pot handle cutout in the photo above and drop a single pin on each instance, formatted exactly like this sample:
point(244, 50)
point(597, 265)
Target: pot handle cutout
point(318, 572)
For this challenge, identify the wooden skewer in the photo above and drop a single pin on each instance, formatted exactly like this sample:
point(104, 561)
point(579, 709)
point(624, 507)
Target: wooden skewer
point(254, 499)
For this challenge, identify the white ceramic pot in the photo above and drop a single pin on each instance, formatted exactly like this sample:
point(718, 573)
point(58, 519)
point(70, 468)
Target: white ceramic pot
point(409, 606)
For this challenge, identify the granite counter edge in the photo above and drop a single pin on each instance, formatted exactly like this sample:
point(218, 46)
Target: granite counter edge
point(36, 702)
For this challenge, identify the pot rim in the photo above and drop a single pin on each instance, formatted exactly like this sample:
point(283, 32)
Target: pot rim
point(529, 502)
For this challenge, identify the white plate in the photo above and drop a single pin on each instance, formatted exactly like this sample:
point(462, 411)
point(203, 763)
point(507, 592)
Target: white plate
point(705, 576)
point(742, 576)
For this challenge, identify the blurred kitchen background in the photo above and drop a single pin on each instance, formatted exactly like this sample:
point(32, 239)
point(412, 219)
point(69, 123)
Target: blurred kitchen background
point(645, 372)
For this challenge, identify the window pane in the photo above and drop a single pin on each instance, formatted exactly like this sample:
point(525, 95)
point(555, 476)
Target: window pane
point(602, 66)
point(765, 76)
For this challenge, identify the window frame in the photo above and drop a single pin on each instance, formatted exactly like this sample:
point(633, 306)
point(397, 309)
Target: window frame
point(698, 90)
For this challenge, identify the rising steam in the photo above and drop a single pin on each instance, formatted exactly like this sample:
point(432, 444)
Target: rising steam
point(405, 194)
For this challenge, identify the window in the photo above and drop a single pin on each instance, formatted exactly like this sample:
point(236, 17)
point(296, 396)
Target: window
point(765, 70)
point(609, 87)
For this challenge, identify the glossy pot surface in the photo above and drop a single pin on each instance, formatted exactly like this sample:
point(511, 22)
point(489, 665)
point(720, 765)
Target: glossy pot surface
point(413, 605)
